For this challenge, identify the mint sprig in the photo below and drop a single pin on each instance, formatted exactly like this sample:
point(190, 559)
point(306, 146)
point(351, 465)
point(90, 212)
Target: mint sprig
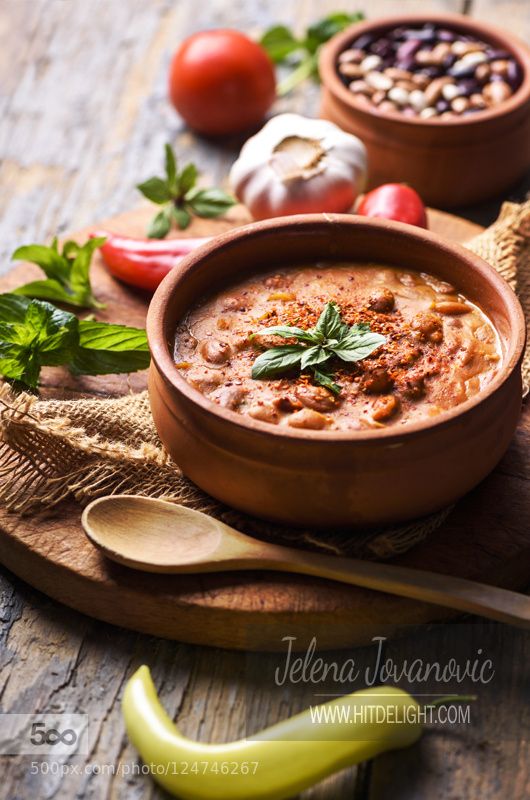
point(67, 272)
point(180, 198)
point(302, 53)
point(35, 334)
point(330, 338)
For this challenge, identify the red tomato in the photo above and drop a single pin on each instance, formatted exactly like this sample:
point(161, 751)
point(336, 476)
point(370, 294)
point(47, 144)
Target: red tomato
point(394, 201)
point(221, 82)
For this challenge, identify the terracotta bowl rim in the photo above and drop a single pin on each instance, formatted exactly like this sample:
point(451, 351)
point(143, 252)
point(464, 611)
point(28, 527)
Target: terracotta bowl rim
point(162, 357)
point(340, 41)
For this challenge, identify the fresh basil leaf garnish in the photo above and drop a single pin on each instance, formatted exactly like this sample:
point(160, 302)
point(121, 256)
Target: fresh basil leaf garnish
point(331, 337)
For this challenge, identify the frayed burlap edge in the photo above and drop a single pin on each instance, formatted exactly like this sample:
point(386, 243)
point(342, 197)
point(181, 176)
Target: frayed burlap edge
point(55, 450)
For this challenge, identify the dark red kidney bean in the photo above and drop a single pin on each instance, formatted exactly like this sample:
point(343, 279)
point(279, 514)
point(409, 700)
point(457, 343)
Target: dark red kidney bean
point(407, 63)
point(432, 72)
point(363, 42)
point(449, 60)
point(426, 34)
point(514, 74)
point(494, 55)
point(397, 33)
point(446, 36)
point(468, 86)
point(408, 49)
point(382, 48)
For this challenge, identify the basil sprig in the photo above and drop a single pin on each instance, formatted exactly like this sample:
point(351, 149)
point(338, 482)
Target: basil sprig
point(180, 197)
point(67, 272)
point(330, 338)
point(302, 53)
point(35, 334)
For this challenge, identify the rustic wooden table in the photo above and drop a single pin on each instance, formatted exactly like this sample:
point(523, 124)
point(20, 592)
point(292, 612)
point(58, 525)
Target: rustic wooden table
point(84, 118)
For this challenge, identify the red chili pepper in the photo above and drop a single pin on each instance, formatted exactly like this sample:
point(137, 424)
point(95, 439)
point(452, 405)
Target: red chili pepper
point(394, 201)
point(144, 262)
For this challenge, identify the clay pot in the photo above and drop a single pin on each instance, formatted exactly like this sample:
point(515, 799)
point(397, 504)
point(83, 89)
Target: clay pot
point(329, 478)
point(450, 162)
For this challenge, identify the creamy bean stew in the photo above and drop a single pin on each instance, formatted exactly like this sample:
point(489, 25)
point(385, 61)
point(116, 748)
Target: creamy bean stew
point(439, 348)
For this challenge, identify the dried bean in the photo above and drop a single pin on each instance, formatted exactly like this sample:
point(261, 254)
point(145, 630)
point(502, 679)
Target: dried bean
point(434, 90)
point(350, 70)
point(500, 68)
point(397, 74)
point(496, 92)
point(351, 56)
point(378, 80)
point(370, 62)
point(307, 419)
point(460, 104)
point(482, 72)
point(361, 87)
point(428, 112)
point(399, 96)
point(450, 91)
point(385, 407)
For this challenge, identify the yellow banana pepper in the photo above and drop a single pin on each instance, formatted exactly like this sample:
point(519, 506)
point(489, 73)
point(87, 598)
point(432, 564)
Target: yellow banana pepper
point(278, 762)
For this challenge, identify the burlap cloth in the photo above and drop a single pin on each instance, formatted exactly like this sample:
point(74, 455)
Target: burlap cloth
point(54, 450)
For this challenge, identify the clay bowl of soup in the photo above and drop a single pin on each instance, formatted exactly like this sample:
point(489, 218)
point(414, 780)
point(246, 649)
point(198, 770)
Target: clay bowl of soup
point(405, 431)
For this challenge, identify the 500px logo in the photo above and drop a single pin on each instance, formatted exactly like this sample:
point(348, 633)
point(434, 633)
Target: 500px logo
point(40, 734)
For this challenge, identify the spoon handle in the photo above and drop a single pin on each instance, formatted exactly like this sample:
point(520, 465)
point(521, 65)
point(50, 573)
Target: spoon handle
point(431, 587)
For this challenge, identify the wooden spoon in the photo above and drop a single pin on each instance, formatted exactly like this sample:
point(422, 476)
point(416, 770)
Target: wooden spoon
point(157, 536)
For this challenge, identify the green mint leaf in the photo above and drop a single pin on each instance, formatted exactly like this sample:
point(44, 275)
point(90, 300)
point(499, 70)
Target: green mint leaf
point(279, 42)
point(187, 179)
point(277, 360)
point(357, 346)
point(160, 224)
point(156, 190)
point(323, 379)
point(330, 324)
point(48, 259)
point(105, 348)
point(13, 308)
point(44, 336)
point(314, 355)
point(80, 269)
point(209, 202)
point(181, 216)
point(323, 30)
point(171, 169)
point(67, 273)
point(46, 290)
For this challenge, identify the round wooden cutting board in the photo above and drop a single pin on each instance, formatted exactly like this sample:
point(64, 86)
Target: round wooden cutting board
point(486, 538)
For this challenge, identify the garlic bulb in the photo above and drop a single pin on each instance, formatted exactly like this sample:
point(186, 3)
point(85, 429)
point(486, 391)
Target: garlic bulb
point(296, 165)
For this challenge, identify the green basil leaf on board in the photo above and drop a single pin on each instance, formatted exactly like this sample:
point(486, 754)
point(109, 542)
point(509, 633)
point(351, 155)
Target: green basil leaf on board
point(67, 272)
point(301, 54)
point(107, 349)
point(160, 225)
point(279, 42)
point(180, 198)
point(35, 334)
point(330, 338)
point(156, 190)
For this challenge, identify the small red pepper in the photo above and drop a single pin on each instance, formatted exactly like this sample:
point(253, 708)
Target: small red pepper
point(144, 262)
point(394, 201)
